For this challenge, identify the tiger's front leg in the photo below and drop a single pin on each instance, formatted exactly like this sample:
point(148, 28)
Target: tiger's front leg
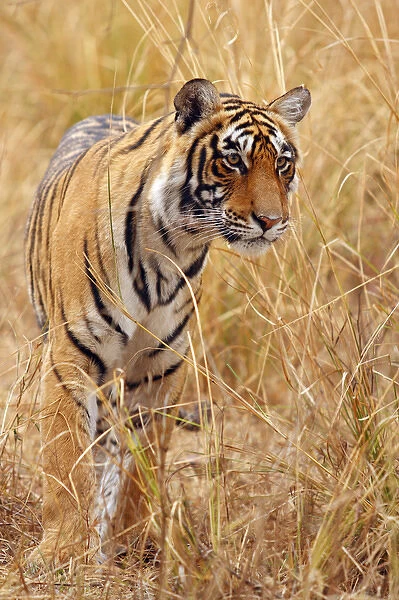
point(132, 490)
point(68, 469)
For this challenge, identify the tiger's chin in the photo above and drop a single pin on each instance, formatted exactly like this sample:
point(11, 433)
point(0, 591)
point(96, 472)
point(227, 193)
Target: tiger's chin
point(250, 248)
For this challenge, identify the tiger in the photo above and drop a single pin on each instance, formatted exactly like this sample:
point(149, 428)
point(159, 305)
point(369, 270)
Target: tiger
point(117, 241)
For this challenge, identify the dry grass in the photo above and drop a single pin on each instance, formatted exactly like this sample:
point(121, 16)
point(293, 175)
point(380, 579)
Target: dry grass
point(291, 489)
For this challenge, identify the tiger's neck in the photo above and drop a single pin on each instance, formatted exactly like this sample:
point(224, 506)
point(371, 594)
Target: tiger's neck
point(168, 232)
point(168, 257)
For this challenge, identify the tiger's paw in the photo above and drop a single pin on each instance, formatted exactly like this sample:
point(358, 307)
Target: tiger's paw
point(192, 416)
point(48, 557)
point(39, 561)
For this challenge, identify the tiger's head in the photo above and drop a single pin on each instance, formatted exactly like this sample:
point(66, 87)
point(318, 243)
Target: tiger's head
point(239, 164)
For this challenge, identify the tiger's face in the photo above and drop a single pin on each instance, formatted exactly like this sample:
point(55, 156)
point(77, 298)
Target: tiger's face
point(240, 168)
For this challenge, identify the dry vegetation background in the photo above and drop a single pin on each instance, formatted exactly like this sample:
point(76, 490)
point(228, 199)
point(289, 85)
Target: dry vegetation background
point(291, 490)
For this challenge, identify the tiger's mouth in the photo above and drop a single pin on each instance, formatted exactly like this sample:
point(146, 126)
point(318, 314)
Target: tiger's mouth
point(255, 244)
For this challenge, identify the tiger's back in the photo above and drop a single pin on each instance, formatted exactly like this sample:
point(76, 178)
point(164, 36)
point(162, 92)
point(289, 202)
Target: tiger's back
point(117, 242)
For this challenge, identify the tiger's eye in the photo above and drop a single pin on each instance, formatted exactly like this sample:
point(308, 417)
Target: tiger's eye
point(233, 159)
point(282, 161)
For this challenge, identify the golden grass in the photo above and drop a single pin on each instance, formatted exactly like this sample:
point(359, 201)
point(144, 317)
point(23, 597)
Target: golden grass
point(290, 490)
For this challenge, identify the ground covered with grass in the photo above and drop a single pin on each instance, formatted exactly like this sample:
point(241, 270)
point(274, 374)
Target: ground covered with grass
point(290, 487)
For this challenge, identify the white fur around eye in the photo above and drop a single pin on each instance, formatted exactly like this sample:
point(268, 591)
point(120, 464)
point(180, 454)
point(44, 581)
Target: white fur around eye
point(293, 185)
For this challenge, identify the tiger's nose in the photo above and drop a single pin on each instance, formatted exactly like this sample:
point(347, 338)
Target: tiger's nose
point(267, 222)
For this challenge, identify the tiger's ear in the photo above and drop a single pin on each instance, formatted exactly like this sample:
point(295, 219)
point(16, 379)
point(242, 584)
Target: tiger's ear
point(197, 99)
point(293, 105)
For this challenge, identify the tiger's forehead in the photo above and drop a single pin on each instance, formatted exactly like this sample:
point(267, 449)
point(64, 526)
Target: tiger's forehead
point(245, 123)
